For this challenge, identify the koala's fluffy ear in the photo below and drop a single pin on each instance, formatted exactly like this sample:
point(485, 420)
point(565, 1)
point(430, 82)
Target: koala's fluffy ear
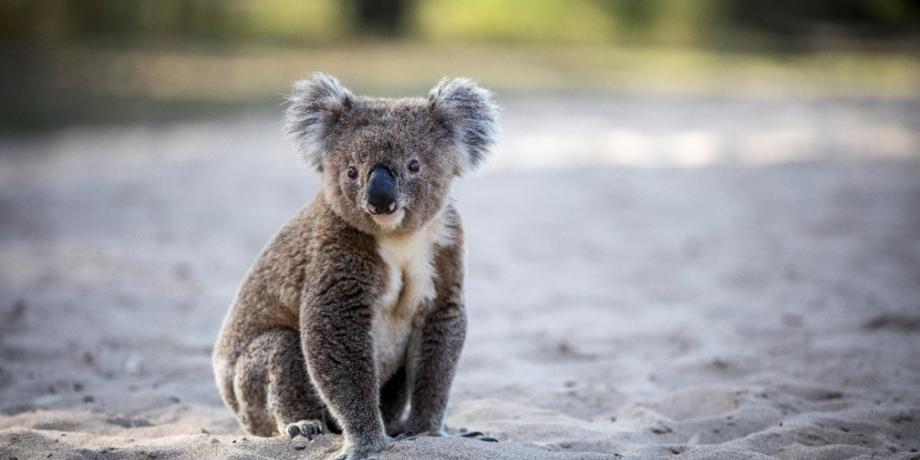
point(472, 114)
point(314, 107)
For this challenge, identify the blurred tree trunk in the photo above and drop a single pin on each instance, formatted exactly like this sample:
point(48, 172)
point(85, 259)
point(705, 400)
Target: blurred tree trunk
point(380, 17)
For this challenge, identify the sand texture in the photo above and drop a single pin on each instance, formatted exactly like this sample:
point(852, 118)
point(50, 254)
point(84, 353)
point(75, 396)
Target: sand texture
point(648, 277)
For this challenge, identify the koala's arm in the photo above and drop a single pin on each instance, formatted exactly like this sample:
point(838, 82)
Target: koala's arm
point(336, 317)
point(435, 347)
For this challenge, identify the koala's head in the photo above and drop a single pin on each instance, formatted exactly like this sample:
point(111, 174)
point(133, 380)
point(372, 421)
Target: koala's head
point(387, 164)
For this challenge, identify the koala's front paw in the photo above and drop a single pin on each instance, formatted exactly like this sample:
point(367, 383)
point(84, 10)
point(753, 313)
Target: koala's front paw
point(306, 428)
point(362, 450)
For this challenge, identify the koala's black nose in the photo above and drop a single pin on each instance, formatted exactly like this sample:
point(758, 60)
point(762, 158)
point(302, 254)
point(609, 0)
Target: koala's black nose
point(381, 191)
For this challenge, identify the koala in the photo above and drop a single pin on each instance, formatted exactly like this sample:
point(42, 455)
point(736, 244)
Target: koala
point(352, 318)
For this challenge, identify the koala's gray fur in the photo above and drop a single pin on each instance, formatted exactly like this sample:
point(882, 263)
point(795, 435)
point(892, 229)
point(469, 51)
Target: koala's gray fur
point(347, 319)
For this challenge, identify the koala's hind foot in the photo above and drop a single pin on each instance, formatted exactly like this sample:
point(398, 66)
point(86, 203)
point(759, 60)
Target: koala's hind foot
point(271, 389)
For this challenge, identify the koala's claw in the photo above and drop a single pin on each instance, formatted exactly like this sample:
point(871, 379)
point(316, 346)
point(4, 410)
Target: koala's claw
point(306, 428)
point(478, 435)
point(405, 436)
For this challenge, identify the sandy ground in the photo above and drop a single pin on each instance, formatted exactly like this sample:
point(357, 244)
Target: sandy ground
point(649, 276)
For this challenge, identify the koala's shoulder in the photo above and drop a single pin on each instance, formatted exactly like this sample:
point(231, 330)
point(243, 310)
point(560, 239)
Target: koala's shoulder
point(337, 248)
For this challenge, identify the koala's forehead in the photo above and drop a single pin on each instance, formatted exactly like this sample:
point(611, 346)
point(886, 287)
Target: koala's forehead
point(391, 126)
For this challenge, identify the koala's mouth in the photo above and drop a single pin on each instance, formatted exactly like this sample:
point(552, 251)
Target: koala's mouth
point(389, 221)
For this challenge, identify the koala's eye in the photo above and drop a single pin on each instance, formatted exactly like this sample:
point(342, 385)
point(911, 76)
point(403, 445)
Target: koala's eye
point(414, 166)
point(352, 172)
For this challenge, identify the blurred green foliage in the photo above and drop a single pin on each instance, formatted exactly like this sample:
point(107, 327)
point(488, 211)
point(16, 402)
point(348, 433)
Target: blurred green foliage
point(132, 22)
point(662, 22)
point(514, 21)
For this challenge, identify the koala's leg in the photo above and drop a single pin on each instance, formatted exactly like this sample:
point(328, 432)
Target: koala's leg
point(273, 391)
point(434, 351)
point(394, 395)
point(339, 349)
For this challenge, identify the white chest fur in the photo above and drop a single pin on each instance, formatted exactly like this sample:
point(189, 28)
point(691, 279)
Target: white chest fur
point(410, 285)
